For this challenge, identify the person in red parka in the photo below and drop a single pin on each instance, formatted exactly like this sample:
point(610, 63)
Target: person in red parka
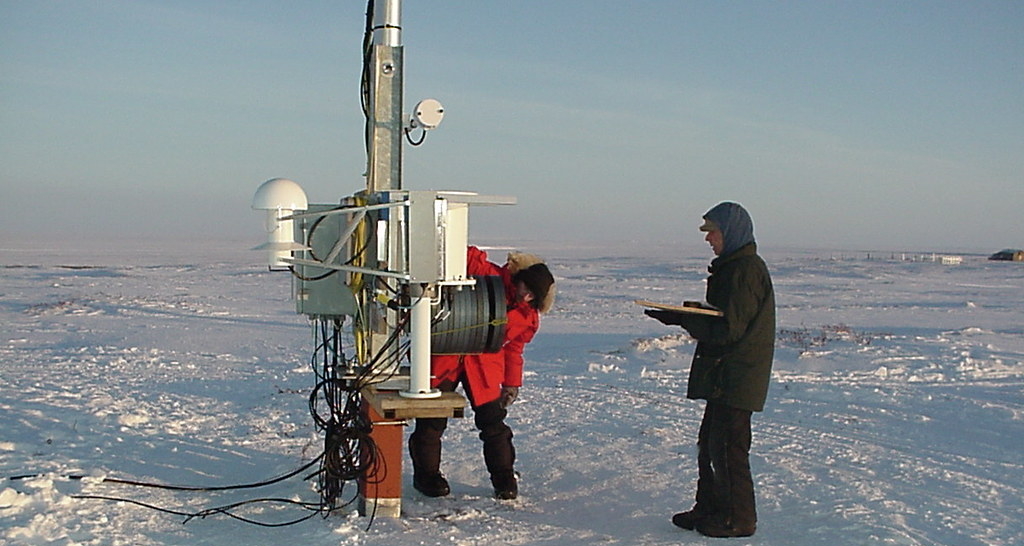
point(491, 381)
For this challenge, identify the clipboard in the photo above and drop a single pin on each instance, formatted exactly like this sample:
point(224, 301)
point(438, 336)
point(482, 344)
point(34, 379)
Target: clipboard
point(692, 307)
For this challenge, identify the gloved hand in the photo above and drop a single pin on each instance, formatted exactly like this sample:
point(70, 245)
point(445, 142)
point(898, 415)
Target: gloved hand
point(665, 317)
point(508, 396)
point(695, 325)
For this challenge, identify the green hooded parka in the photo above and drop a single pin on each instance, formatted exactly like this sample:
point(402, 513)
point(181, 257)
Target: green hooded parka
point(733, 360)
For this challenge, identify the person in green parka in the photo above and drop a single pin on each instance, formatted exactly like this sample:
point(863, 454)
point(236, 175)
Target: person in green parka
point(730, 370)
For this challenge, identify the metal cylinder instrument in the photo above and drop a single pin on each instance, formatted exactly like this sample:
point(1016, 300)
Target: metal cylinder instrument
point(470, 319)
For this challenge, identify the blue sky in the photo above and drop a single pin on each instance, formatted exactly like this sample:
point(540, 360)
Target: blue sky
point(894, 125)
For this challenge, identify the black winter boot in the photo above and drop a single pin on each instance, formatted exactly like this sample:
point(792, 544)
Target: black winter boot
point(724, 528)
point(433, 485)
point(688, 520)
point(505, 486)
point(425, 452)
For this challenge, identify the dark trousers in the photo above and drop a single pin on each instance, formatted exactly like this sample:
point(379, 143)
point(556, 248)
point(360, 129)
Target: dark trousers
point(725, 487)
point(499, 453)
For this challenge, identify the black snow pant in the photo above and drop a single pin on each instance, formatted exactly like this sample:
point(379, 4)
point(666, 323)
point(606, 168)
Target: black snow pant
point(499, 453)
point(725, 486)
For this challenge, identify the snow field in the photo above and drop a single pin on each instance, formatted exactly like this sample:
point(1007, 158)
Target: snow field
point(894, 417)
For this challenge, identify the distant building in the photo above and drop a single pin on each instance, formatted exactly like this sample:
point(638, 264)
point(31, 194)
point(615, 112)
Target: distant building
point(1009, 255)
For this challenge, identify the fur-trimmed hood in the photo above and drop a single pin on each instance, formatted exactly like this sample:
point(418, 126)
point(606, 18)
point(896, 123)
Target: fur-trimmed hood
point(533, 272)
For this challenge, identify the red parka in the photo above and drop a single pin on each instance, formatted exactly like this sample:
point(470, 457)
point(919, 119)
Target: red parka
point(486, 373)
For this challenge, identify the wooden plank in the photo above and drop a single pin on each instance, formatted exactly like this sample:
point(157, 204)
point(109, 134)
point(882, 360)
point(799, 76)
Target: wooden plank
point(694, 307)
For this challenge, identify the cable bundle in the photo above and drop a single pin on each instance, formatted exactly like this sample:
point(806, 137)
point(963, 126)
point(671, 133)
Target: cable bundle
point(336, 407)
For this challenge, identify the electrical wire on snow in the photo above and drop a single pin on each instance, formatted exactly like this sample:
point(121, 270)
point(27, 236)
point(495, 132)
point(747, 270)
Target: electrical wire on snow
point(220, 510)
point(349, 451)
point(226, 510)
point(170, 487)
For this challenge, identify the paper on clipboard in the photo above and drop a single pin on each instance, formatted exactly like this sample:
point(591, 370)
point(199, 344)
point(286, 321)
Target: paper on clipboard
point(694, 307)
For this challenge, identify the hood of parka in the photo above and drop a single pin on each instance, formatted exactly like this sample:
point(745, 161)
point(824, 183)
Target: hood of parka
point(735, 224)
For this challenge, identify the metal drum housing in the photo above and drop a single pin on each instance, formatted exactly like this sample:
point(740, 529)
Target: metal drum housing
point(470, 319)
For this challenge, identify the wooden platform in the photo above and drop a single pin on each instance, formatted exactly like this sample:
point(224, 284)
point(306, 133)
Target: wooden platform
point(391, 405)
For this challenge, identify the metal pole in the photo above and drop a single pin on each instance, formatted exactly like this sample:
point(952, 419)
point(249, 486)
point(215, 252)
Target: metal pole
point(387, 22)
point(419, 348)
point(386, 82)
point(384, 159)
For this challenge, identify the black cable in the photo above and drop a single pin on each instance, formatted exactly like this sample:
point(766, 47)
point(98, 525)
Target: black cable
point(169, 487)
point(346, 430)
point(135, 502)
point(408, 137)
point(372, 374)
point(352, 258)
point(336, 406)
point(315, 508)
point(309, 244)
point(310, 279)
point(364, 80)
point(211, 488)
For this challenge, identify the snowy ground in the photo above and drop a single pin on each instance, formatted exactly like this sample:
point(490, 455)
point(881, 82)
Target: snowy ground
point(895, 414)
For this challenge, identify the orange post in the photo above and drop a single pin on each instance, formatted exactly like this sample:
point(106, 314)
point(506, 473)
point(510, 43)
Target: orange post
point(380, 487)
